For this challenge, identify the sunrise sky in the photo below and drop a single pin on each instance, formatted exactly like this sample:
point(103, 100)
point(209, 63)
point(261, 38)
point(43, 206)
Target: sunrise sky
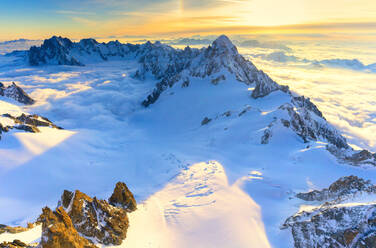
point(119, 18)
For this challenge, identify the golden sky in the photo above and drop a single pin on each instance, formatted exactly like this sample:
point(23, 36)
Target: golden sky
point(119, 18)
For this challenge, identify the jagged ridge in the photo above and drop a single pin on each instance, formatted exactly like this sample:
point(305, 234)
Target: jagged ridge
point(16, 93)
point(335, 224)
point(216, 63)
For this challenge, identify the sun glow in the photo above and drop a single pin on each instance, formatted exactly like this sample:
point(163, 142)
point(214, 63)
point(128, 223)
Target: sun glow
point(118, 18)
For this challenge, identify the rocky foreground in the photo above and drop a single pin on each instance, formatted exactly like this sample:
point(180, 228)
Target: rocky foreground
point(345, 218)
point(80, 221)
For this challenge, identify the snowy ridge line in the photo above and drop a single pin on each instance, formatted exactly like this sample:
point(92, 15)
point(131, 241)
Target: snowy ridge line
point(165, 63)
point(16, 93)
point(219, 62)
point(347, 218)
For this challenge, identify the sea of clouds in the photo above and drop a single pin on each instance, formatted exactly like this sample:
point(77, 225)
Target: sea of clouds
point(340, 77)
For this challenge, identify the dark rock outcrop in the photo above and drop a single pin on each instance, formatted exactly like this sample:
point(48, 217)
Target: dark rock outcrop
point(303, 102)
point(265, 85)
point(338, 226)
point(305, 121)
point(62, 51)
point(80, 221)
point(205, 121)
point(27, 123)
point(14, 244)
point(33, 120)
point(95, 219)
point(353, 157)
point(55, 50)
point(58, 231)
point(16, 93)
point(123, 198)
point(333, 224)
point(339, 190)
point(9, 229)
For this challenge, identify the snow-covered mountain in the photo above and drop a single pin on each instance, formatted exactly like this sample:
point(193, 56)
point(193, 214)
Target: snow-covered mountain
point(186, 129)
point(219, 62)
point(342, 216)
point(16, 93)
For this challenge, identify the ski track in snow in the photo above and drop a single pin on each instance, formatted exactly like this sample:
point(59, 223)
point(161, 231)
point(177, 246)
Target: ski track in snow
point(211, 186)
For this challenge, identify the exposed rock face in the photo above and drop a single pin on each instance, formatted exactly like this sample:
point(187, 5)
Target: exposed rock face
point(33, 120)
point(27, 123)
point(53, 51)
point(13, 230)
point(335, 223)
point(303, 102)
point(17, 93)
point(123, 198)
point(335, 226)
point(210, 63)
point(218, 79)
point(9, 229)
point(341, 189)
point(268, 133)
point(79, 220)
point(166, 64)
point(58, 231)
point(352, 157)
point(62, 51)
point(205, 121)
point(14, 244)
point(95, 219)
point(305, 122)
point(266, 85)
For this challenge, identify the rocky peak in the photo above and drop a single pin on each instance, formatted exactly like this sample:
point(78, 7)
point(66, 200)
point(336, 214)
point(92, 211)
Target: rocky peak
point(212, 62)
point(81, 221)
point(91, 47)
point(55, 50)
point(27, 123)
point(58, 231)
point(95, 219)
point(224, 45)
point(88, 42)
point(57, 42)
point(304, 102)
point(16, 93)
point(334, 224)
point(123, 197)
point(353, 157)
point(344, 187)
point(14, 244)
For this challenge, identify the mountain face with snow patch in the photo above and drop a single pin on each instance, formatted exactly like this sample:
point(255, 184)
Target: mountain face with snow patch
point(62, 51)
point(16, 93)
point(342, 220)
point(215, 63)
point(24, 122)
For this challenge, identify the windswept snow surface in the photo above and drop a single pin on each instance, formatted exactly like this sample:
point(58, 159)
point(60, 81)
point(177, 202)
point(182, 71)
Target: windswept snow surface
point(31, 236)
point(214, 185)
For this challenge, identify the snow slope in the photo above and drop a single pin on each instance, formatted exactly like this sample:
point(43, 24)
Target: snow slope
point(212, 185)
